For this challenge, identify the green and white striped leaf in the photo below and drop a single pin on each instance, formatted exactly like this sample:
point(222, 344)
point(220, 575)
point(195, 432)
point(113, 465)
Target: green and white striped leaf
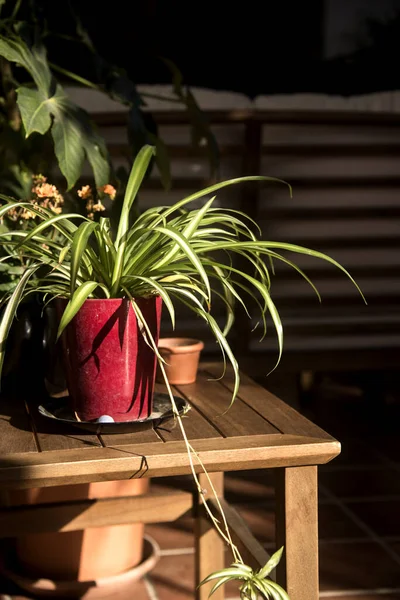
point(271, 564)
point(80, 295)
point(136, 177)
point(78, 247)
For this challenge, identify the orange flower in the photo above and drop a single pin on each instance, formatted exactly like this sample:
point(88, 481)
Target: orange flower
point(12, 214)
point(85, 192)
point(99, 207)
point(27, 214)
point(45, 190)
point(89, 207)
point(109, 190)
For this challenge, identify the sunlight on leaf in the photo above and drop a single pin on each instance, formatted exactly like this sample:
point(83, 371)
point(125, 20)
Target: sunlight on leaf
point(251, 583)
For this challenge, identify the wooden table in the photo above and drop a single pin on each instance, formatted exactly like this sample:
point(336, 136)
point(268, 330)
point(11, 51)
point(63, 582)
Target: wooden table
point(258, 432)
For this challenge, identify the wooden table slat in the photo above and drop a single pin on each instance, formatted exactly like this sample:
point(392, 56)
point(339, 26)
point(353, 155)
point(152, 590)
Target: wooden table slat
point(16, 433)
point(50, 441)
point(56, 436)
point(196, 426)
point(142, 434)
point(258, 431)
point(281, 415)
point(73, 515)
point(42, 469)
point(212, 400)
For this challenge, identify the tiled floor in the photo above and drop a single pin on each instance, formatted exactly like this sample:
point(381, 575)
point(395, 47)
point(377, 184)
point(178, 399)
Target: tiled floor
point(359, 512)
point(359, 508)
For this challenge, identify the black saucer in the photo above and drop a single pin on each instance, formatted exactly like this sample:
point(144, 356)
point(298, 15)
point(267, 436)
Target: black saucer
point(59, 410)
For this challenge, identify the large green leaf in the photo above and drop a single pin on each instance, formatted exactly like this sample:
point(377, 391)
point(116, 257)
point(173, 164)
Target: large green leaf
point(47, 107)
point(35, 61)
point(34, 110)
point(200, 128)
point(162, 160)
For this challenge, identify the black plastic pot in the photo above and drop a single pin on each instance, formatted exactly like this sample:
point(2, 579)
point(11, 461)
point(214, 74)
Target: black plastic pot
point(31, 354)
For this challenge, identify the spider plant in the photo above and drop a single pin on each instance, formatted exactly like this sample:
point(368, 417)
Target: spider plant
point(173, 251)
point(254, 582)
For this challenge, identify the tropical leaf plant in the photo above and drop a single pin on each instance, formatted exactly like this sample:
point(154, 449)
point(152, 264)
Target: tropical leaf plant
point(200, 130)
point(46, 107)
point(142, 128)
point(172, 251)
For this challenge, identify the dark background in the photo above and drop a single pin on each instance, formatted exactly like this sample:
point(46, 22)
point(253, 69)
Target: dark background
point(254, 47)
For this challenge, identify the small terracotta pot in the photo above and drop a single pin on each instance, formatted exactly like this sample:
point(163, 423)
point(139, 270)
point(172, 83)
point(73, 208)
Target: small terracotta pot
point(182, 359)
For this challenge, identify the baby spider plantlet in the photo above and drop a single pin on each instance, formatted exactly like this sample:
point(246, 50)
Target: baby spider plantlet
point(254, 582)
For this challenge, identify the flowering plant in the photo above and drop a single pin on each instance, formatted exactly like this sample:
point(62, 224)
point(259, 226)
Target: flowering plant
point(94, 199)
point(24, 217)
point(44, 195)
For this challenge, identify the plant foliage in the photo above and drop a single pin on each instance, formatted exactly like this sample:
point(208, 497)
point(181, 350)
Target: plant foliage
point(172, 251)
point(254, 582)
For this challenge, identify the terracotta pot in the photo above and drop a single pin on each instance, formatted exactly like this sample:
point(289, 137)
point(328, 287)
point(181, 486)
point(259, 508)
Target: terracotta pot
point(118, 587)
point(182, 357)
point(80, 556)
point(110, 369)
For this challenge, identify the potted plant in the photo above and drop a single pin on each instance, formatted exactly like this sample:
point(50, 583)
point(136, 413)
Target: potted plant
point(182, 356)
point(110, 287)
point(167, 254)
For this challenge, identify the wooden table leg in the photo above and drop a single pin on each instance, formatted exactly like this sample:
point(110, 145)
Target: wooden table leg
point(209, 546)
point(297, 531)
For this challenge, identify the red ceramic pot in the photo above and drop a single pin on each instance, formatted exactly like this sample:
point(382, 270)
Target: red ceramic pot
point(110, 369)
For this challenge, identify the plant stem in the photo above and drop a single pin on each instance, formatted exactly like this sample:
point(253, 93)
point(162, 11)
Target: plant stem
point(160, 97)
point(145, 330)
point(16, 9)
point(226, 535)
point(10, 95)
point(74, 76)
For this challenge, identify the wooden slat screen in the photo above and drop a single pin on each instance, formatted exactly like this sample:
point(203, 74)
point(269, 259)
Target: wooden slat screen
point(344, 170)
